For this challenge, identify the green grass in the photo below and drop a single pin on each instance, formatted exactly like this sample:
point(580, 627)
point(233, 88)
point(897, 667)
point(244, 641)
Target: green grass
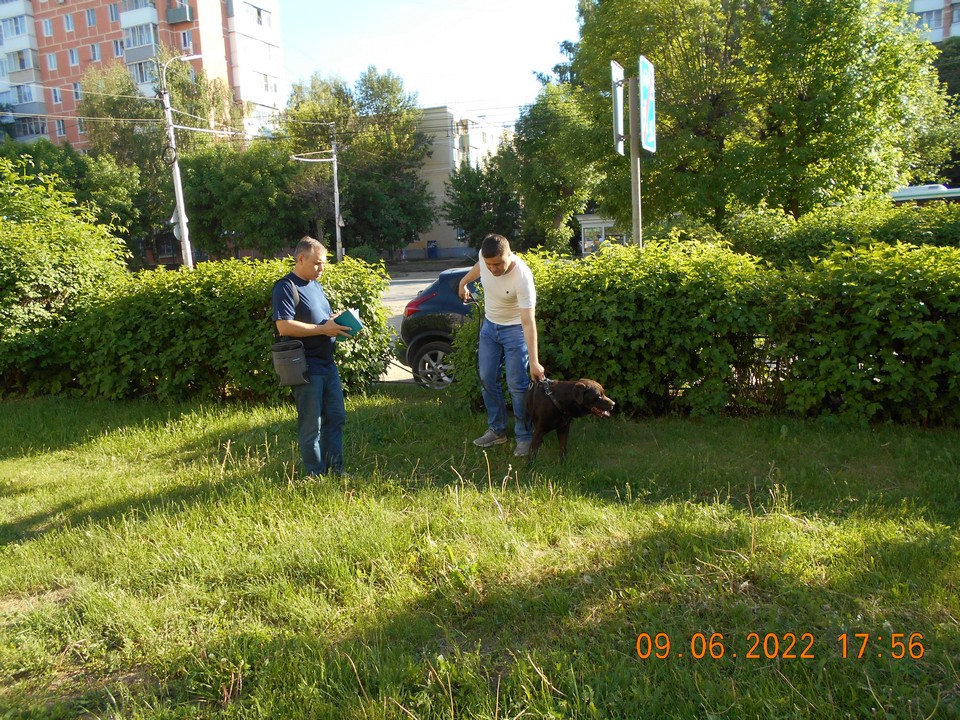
point(169, 562)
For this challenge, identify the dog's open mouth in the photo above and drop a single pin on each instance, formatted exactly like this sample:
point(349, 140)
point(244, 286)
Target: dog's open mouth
point(600, 412)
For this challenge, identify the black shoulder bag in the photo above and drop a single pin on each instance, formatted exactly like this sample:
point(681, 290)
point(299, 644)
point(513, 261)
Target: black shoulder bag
point(289, 356)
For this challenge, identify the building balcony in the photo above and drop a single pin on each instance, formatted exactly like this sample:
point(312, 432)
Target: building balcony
point(17, 7)
point(176, 15)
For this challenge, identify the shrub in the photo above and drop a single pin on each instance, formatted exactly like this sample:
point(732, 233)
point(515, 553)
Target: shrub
point(777, 238)
point(674, 327)
point(874, 334)
point(54, 262)
point(365, 253)
point(53, 257)
point(207, 333)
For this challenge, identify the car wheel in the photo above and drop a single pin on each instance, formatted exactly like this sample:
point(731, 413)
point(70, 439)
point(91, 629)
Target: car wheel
point(431, 365)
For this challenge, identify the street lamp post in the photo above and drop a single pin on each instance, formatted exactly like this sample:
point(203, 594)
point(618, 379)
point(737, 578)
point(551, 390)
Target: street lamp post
point(307, 157)
point(181, 212)
point(336, 199)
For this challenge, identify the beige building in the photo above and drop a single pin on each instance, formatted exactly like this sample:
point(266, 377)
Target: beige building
point(453, 141)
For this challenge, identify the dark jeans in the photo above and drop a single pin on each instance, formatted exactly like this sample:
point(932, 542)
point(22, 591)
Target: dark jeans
point(320, 419)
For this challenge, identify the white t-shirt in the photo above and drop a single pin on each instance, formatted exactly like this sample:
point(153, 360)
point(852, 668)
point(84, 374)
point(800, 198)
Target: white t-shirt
point(504, 296)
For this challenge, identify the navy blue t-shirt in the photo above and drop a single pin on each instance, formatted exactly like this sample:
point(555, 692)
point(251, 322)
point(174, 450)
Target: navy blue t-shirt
point(314, 308)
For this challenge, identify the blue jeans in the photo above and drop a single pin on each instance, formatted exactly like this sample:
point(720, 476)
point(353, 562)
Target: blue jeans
point(320, 419)
point(504, 345)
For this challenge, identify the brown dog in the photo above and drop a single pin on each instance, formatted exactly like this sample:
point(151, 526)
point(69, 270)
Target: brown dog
point(553, 404)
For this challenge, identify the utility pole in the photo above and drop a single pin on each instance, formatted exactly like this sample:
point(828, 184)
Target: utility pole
point(170, 156)
point(337, 220)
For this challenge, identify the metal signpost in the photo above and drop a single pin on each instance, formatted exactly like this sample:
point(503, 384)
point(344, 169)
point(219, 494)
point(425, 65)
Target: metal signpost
point(643, 116)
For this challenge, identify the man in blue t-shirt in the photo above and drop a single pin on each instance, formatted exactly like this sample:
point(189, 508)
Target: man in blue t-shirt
point(320, 408)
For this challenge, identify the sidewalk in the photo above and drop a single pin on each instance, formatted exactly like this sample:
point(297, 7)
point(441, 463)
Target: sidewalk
point(399, 269)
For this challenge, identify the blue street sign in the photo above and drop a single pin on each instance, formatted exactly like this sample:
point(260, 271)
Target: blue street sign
point(648, 106)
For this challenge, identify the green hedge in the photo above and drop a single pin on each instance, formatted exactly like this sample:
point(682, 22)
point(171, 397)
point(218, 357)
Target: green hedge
point(874, 334)
point(205, 333)
point(695, 328)
point(779, 239)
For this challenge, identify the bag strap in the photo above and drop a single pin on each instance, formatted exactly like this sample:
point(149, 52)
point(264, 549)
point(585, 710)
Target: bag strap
point(296, 308)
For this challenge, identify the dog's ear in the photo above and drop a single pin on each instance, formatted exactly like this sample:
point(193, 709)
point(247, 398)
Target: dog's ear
point(579, 391)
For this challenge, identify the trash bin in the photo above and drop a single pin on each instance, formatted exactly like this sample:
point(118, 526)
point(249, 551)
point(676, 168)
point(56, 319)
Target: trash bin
point(432, 252)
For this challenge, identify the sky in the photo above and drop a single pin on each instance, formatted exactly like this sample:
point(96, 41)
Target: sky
point(476, 56)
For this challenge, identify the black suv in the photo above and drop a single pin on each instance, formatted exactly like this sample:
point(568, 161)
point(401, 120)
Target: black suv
point(426, 331)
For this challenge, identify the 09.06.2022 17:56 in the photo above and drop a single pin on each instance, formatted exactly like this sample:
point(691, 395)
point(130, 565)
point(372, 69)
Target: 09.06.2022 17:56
point(783, 646)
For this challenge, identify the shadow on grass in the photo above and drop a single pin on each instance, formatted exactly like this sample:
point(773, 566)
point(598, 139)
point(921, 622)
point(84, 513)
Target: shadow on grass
point(422, 439)
point(562, 643)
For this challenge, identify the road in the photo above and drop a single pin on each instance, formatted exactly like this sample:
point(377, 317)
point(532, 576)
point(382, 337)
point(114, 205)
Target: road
point(404, 286)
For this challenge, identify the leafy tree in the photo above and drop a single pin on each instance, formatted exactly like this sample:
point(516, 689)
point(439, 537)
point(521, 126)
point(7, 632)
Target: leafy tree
point(6, 120)
point(54, 257)
point(797, 102)
point(554, 173)
point(481, 199)
point(129, 127)
point(98, 180)
point(948, 68)
point(846, 100)
point(244, 198)
point(948, 64)
point(384, 202)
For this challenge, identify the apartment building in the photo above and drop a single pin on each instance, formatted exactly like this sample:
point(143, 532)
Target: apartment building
point(47, 45)
point(454, 140)
point(941, 18)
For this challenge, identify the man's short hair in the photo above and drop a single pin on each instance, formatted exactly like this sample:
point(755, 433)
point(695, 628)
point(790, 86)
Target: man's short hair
point(308, 246)
point(494, 245)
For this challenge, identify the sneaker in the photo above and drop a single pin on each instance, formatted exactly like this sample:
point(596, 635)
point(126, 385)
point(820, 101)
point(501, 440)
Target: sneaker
point(523, 449)
point(489, 439)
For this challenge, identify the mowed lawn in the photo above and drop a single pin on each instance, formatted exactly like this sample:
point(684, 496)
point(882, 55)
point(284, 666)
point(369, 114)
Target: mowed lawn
point(161, 561)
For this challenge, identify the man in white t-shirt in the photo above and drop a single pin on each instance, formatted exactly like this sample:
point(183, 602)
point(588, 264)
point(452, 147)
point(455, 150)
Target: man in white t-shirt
point(508, 337)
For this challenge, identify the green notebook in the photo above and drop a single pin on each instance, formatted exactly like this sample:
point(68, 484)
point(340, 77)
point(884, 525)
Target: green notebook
point(349, 318)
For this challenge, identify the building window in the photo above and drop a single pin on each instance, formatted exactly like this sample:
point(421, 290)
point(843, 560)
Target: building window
point(51, 61)
point(77, 92)
point(91, 17)
point(186, 39)
point(81, 126)
point(14, 26)
point(26, 127)
point(933, 19)
point(73, 57)
point(259, 15)
point(22, 94)
point(61, 128)
point(114, 12)
point(68, 22)
point(47, 27)
point(118, 48)
point(57, 97)
point(21, 60)
point(138, 4)
point(143, 72)
point(139, 36)
point(95, 53)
